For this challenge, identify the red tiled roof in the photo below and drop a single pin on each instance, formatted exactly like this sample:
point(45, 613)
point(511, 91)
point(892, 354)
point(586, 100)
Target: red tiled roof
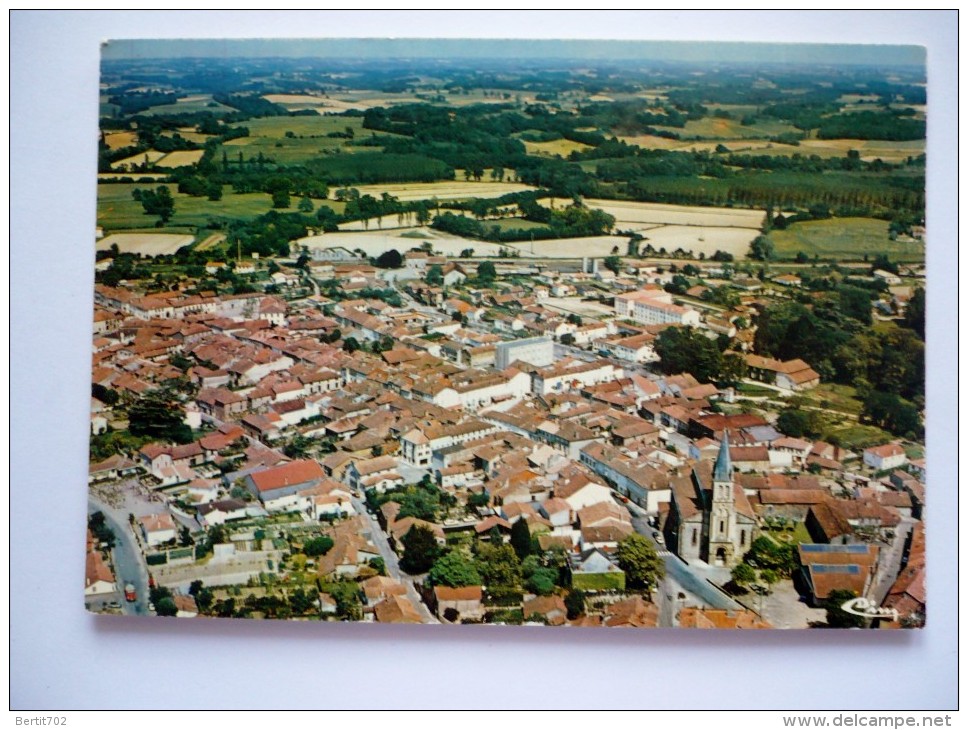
point(291, 474)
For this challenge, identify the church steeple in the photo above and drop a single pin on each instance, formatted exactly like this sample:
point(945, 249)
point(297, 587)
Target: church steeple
point(723, 471)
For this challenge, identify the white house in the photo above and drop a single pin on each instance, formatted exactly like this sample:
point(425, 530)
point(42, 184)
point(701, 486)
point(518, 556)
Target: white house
point(885, 457)
point(98, 578)
point(158, 529)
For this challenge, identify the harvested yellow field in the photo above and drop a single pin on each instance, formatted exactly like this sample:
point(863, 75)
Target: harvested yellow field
point(117, 140)
point(557, 147)
point(447, 190)
point(373, 243)
point(321, 104)
point(191, 135)
point(635, 213)
point(301, 99)
point(689, 238)
point(149, 156)
point(696, 239)
point(137, 176)
point(869, 149)
point(211, 242)
point(702, 239)
point(147, 244)
point(571, 248)
point(180, 158)
point(653, 142)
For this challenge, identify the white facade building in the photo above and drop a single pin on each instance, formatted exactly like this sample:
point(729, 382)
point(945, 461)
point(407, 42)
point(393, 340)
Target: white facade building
point(654, 306)
point(538, 351)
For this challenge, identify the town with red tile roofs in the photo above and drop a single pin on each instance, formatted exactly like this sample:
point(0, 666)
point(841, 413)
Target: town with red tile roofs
point(341, 396)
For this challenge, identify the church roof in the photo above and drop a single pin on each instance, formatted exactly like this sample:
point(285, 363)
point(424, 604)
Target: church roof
point(723, 471)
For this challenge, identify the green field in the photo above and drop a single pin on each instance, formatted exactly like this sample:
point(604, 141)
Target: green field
point(303, 126)
point(859, 437)
point(843, 238)
point(286, 151)
point(267, 136)
point(116, 210)
point(714, 128)
point(509, 224)
point(833, 396)
point(190, 107)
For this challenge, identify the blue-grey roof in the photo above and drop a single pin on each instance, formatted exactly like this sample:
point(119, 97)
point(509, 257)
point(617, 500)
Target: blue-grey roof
point(723, 471)
point(763, 433)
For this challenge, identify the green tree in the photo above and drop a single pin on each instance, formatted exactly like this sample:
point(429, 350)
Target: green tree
point(107, 396)
point(301, 602)
point(613, 264)
point(498, 564)
point(742, 575)
point(305, 205)
point(733, 369)
point(642, 565)
point(914, 313)
point(486, 272)
point(280, 199)
point(390, 259)
point(379, 565)
point(575, 603)
point(158, 414)
point(521, 539)
point(204, 600)
point(766, 554)
point(855, 302)
point(435, 275)
point(762, 249)
point(455, 569)
point(837, 617)
point(769, 578)
point(166, 607)
point(420, 550)
point(98, 526)
point(351, 344)
point(542, 581)
point(687, 350)
point(318, 546)
point(157, 202)
point(799, 423)
point(420, 503)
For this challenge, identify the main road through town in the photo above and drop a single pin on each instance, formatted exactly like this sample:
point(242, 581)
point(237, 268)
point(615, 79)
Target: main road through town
point(129, 566)
point(680, 577)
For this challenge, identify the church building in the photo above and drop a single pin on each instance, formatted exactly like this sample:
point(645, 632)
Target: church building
point(710, 518)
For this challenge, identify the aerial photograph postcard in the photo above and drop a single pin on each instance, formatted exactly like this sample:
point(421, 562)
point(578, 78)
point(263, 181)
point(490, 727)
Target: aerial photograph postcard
point(562, 333)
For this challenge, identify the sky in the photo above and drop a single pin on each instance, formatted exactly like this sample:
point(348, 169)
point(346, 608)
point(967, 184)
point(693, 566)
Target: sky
point(533, 48)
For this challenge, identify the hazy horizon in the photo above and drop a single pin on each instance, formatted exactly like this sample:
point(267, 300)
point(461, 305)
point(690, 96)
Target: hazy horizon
point(614, 50)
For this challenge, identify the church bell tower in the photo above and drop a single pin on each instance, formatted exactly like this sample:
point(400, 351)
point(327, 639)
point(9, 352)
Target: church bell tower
point(722, 511)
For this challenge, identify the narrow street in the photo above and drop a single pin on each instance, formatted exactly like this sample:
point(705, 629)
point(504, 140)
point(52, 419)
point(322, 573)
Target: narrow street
point(889, 564)
point(391, 561)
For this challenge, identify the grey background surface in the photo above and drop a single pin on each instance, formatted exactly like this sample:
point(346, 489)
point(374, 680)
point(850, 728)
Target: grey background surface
point(62, 658)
